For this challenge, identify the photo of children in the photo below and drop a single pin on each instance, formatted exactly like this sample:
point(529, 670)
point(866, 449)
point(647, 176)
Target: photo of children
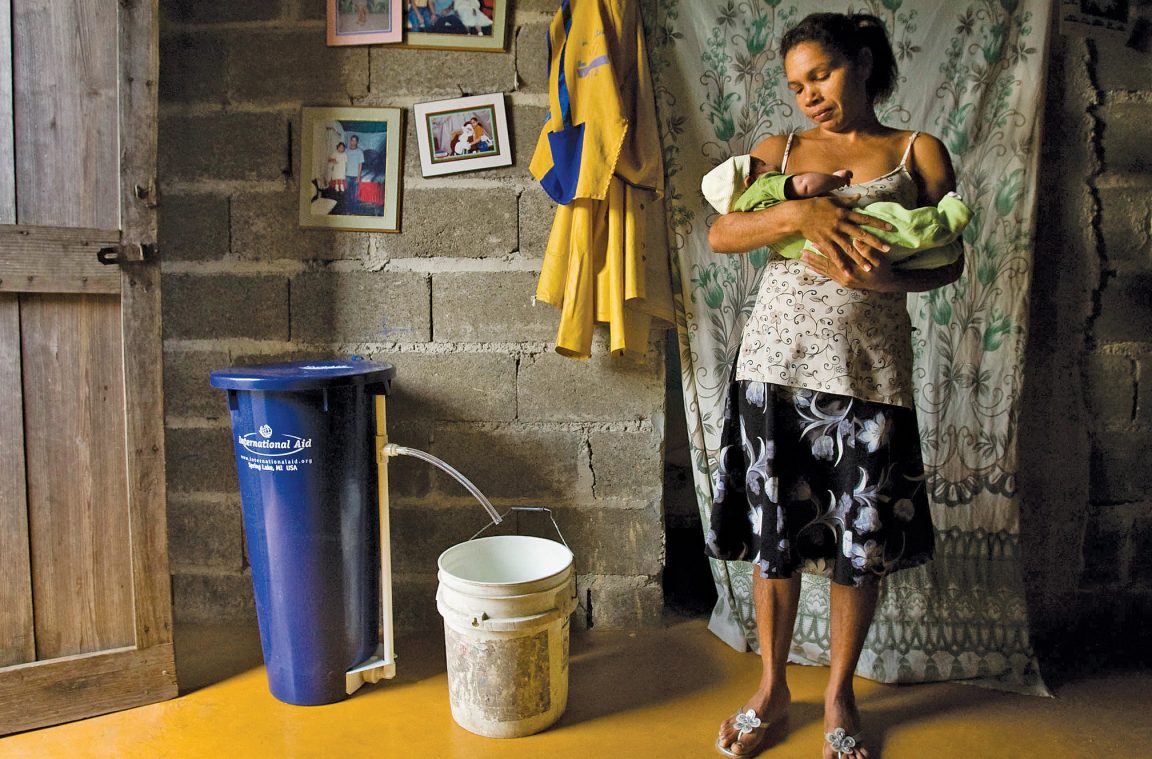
point(349, 166)
point(471, 17)
point(463, 134)
point(363, 16)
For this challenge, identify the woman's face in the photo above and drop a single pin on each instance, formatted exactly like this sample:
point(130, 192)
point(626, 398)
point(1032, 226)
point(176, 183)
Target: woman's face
point(829, 88)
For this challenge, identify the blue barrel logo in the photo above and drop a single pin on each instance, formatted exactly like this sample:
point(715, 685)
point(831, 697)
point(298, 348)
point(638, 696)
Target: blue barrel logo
point(267, 443)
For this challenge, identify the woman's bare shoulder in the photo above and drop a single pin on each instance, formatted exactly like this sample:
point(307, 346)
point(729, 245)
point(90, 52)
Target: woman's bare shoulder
point(932, 166)
point(771, 149)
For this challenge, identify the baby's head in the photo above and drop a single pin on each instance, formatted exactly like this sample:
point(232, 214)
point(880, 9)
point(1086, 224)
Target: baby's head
point(756, 169)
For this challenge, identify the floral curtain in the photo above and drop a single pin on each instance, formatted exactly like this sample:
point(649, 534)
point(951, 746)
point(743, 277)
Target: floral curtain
point(972, 73)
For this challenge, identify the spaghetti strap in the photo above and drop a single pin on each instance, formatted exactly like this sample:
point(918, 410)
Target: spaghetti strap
point(787, 150)
point(907, 151)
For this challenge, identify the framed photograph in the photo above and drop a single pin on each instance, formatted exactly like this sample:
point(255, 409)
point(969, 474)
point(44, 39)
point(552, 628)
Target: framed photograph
point(462, 134)
point(456, 24)
point(1102, 19)
point(350, 168)
point(364, 22)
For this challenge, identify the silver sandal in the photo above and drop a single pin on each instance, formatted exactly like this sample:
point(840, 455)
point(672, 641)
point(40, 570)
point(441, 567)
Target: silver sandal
point(841, 742)
point(745, 723)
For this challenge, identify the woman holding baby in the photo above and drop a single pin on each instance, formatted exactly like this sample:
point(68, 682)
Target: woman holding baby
point(820, 468)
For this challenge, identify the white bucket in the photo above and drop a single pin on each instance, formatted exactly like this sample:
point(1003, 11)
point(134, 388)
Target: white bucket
point(506, 601)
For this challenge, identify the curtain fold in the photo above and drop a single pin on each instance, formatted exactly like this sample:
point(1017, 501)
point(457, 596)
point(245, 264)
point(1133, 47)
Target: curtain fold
point(972, 73)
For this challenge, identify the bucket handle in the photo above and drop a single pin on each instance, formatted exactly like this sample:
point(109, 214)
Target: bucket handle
point(531, 509)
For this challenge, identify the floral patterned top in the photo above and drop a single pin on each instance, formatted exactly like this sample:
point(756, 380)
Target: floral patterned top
point(808, 331)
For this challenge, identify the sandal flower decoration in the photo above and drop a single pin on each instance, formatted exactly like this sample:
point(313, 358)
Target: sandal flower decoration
point(747, 721)
point(840, 741)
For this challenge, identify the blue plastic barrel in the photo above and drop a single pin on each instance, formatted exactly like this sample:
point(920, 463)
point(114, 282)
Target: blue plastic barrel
point(303, 434)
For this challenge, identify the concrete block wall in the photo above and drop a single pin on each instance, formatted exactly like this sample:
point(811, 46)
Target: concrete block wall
point(1087, 425)
point(448, 301)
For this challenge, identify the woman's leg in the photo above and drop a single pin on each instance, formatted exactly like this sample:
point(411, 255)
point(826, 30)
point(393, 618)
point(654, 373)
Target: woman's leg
point(776, 602)
point(851, 616)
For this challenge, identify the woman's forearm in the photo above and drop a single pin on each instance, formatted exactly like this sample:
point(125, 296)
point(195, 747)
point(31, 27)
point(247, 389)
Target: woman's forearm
point(742, 231)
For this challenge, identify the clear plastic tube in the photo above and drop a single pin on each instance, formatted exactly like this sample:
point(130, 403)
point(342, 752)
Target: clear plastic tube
point(391, 449)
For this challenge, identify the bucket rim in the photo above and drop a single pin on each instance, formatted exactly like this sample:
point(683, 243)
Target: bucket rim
point(568, 565)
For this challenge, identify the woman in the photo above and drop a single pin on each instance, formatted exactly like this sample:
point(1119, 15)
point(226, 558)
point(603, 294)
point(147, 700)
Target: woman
point(820, 466)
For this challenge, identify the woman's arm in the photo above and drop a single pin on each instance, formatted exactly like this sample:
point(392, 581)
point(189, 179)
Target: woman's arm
point(825, 221)
point(935, 178)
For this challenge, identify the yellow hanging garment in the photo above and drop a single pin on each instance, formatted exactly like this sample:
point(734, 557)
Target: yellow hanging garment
point(599, 156)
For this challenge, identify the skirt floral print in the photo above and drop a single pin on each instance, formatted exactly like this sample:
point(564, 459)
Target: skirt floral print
point(823, 483)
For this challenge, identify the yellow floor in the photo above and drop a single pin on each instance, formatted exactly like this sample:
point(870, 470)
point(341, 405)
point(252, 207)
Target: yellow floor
point(659, 693)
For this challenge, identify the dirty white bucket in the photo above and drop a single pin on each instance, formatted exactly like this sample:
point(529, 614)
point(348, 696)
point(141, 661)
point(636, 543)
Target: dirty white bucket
point(506, 601)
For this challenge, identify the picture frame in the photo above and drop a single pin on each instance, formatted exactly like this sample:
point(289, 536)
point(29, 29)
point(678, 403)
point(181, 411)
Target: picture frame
point(365, 22)
point(335, 194)
point(480, 25)
point(462, 134)
point(1103, 19)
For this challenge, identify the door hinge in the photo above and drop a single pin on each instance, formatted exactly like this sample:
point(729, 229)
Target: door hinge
point(126, 253)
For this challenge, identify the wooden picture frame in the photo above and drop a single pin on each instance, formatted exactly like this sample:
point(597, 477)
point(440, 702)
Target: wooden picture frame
point(462, 24)
point(462, 134)
point(365, 22)
point(350, 168)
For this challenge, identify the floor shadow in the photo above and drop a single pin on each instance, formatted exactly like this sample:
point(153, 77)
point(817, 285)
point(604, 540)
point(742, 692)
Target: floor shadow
point(209, 654)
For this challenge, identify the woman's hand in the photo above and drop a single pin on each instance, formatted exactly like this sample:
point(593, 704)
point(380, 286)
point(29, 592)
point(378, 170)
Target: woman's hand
point(879, 275)
point(836, 230)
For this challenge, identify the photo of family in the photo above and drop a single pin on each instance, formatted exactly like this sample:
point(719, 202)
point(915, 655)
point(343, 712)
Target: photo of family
point(351, 160)
point(364, 22)
point(461, 24)
point(462, 134)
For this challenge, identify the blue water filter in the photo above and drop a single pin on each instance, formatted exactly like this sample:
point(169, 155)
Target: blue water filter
point(304, 436)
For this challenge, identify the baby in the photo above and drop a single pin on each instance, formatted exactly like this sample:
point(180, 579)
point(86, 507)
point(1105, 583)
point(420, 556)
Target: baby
point(921, 238)
point(464, 141)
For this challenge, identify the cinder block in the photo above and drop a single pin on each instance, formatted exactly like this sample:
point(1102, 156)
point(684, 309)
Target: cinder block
point(193, 68)
point(453, 387)
point(265, 227)
point(1119, 470)
point(532, 57)
point(193, 227)
point(225, 305)
point(186, 389)
point(360, 307)
point(551, 387)
point(213, 597)
point(199, 12)
point(1140, 568)
point(414, 604)
point(470, 223)
point(436, 74)
point(235, 146)
point(1107, 546)
point(545, 466)
point(618, 602)
point(607, 541)
point(536, 6)
point(1127, 148)
point(1120, 67)
point(477, 307)
point(1125, 225)
point(1144, 390)
point(536, 213)
point(1110, 387)
point(421, 534)
point(285, 66)
point(1125, 315)
point(628, 465)
point(309, 10)
point(205, 534)
point(200, 460)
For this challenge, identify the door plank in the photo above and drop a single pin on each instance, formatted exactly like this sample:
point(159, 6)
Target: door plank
point(17, 641)
point(144, 393)
point(65, 73)
point(74, 687)
point(76, 464)
point(56, 260)
point(7, 136)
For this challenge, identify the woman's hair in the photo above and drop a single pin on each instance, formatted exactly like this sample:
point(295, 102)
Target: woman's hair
point(340, 145)
point(848, 35)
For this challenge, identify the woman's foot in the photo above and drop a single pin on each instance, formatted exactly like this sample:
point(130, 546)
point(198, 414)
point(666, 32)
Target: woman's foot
point(842, 729)
point(772, 713)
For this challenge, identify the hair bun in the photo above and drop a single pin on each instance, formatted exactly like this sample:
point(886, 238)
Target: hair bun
point(866, 21)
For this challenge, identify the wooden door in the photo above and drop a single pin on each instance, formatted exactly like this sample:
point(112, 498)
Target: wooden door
point(85, 609)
